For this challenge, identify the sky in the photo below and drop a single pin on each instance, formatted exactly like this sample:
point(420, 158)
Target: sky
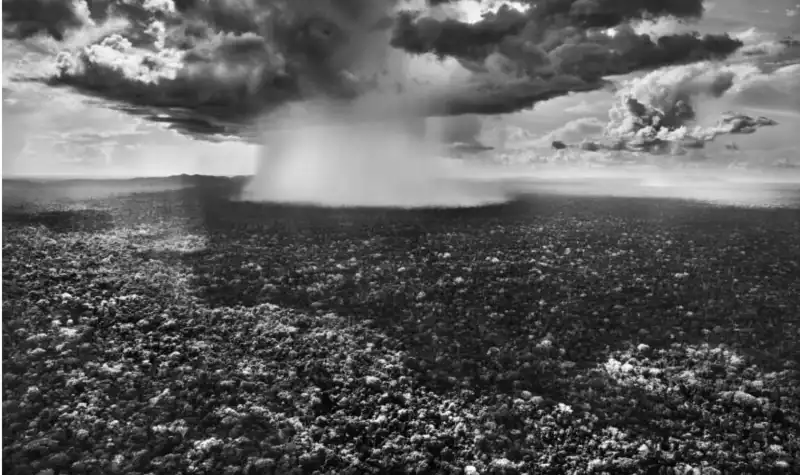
point(60, 131)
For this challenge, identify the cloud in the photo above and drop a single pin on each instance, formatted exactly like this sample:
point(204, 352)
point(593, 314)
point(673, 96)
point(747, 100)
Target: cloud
point(778, 89)
point(573, 131)
point(26, 18)
point(222, 63)
point(223, 57)
point(672, 110)
point(566, 37)
point(583, 108)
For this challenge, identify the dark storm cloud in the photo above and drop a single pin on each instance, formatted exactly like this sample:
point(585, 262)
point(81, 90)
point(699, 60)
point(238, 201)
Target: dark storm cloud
point(224, 59)
point(25, 18)
point(556, 40)
point(553, 37)
point(505, 97)
point(450, 37)
point(608, 13)
point(227, 61)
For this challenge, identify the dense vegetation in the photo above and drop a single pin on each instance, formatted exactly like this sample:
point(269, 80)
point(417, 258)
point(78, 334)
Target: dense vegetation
point(177, 331)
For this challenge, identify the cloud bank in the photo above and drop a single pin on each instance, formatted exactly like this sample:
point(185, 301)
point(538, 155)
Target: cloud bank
point(681, 108)
point(217, 64)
